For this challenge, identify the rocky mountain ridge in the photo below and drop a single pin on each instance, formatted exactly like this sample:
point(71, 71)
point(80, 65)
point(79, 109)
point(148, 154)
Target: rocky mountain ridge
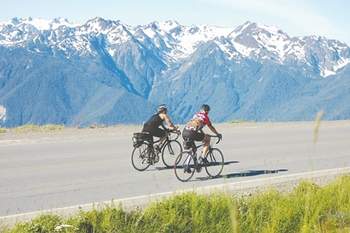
point(105, 71)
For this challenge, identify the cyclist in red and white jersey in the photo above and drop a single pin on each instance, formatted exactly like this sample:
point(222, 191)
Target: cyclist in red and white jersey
point(193, 129)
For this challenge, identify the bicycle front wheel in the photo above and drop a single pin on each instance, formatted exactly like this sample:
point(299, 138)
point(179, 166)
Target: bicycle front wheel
point(140, 157)
point(170, 152)
point(184, 166)
point(214, 163)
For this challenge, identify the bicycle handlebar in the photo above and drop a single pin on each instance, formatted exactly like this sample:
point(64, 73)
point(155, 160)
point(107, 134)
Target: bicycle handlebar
point(215, 136)
point(175, 131)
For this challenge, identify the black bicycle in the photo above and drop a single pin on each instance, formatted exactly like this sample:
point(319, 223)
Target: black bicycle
point(146, 152)
point(187, 163)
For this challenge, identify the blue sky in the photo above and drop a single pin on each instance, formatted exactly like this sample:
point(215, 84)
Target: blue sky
point(295, 17)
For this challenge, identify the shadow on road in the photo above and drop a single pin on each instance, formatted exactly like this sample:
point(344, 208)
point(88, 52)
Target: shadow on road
point(245, 174)
point(172, 167)
point(230, 162)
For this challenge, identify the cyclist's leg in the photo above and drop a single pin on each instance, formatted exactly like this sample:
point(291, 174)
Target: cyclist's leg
point(157, 132)
point(206, 142)
point(148, 134)
point(162, 135)
point(188, 138)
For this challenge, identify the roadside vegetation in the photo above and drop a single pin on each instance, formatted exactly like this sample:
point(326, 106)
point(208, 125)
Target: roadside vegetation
point(240, 121)
point(31, 128)
point(37, 128)
point(308, 208)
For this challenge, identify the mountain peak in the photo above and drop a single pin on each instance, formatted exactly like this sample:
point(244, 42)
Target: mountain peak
point(176, 42)
point(99, 24)
point(99, 71)
point(253, 27)
point(169, 25)
point(100, 21)
point(40, 23)
point(15, 21)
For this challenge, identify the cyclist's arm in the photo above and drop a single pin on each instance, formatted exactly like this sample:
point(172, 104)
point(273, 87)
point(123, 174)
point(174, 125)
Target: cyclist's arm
point(212, 128)
point(166, 118)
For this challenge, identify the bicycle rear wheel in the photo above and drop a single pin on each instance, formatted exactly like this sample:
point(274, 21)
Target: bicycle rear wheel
point(214, 162)
point(170, 152)
point(184, 166)
point(140, 157)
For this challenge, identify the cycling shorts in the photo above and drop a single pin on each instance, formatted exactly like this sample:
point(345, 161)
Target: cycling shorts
point(156, 132)
point(193, 135)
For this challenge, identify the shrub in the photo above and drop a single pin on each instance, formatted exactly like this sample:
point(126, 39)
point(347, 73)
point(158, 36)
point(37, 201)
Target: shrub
point(308, 208)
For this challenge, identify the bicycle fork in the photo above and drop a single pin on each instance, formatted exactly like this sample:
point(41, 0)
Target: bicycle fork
point(195, 162)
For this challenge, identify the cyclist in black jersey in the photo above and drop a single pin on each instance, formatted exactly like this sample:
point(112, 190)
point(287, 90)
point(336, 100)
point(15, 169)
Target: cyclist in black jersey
point(156, 121)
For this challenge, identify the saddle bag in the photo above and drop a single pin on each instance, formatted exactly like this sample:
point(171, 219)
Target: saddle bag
point(139, 138)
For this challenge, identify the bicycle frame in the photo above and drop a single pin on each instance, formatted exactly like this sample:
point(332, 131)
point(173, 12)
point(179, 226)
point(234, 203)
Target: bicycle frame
point(152, 152)
point(162, 145)
point(187, 163)
point(142, 158)
point(202, 144)
point(194, 151)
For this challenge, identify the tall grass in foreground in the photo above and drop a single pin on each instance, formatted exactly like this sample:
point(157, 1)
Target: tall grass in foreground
point(308, 208)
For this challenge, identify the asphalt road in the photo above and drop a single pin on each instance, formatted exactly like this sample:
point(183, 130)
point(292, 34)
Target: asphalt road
point(78, 166)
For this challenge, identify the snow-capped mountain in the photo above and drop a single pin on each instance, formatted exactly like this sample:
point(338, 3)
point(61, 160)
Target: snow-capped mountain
point(177, 42)
point(55, 71)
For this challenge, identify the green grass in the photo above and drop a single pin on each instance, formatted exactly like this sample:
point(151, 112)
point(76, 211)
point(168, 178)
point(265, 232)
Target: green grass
point(238, 121)
point(307, 209)
point(32, 128)
point(29, 128)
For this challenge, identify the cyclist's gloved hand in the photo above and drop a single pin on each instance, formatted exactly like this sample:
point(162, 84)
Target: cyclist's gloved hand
point(177, 130)
point(219, 135)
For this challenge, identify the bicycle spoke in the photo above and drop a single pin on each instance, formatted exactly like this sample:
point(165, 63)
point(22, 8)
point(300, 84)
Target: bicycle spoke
point(215, 163)
point(139, 157)
point(213, 160)
point(184, 167)
point(170, 151)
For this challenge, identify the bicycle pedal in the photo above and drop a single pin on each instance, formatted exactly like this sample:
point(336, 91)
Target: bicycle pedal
point(156, 159)
point(205, 160)
point(187, 169)
point(200, 160)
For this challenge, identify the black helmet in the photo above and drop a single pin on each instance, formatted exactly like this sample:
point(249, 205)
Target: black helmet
point(205, 107)
point(162, 108)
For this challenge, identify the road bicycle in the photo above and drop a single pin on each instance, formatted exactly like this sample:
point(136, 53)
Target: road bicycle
point(146, 152)
point(187, 163)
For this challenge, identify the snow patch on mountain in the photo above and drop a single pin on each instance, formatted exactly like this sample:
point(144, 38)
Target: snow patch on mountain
point(337, 66)
point(43, 24)
point(191, 37)
point(175, 42)
point(181, 41)
point(254, 71)
point(168, 25)
point(39, 23)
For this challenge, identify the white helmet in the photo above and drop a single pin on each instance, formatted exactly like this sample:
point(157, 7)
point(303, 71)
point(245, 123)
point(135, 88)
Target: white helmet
point(162, 108)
